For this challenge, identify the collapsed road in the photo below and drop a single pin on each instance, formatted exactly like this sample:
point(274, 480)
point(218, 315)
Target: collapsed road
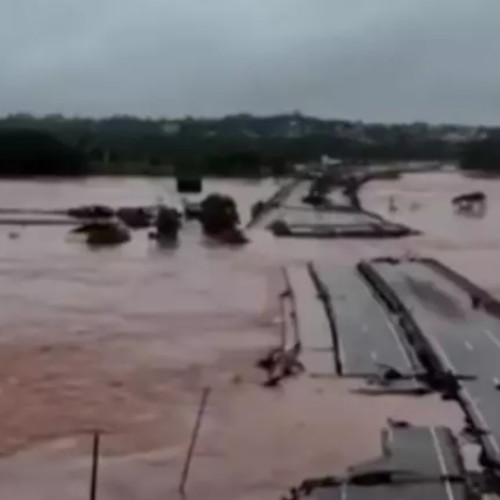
point(417, 462)
point(367, 337)
point(334, 223)
point(348, 327)
point(465, 338)
point(286, 214)
point(315, 330)
point(366, 331)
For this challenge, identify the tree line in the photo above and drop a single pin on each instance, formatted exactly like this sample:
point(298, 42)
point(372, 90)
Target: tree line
point(240, 146)
point(482, 155)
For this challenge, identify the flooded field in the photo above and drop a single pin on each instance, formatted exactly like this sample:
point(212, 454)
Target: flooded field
point(124, 340)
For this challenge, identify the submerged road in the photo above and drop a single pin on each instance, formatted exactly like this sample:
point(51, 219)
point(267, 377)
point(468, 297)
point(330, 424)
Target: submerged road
point(294, 199)
point(466, 340)
point(366, 335)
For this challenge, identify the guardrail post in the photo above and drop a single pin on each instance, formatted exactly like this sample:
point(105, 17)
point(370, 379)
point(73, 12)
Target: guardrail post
point(95, 465)
point(192, 443)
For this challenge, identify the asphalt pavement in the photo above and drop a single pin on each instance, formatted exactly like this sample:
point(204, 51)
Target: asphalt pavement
point(418, 462)
point(409, 491)
point(314, 329)
point(467, 340)
point(367, 336)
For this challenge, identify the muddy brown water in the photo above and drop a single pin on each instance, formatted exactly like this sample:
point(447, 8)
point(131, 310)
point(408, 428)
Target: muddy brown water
point(125, 339)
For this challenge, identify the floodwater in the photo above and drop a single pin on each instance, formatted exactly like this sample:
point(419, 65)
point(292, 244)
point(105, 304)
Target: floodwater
point(123, 340)
point(50, 282)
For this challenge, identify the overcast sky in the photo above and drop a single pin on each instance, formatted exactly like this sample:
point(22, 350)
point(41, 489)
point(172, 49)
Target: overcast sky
point(375, 60)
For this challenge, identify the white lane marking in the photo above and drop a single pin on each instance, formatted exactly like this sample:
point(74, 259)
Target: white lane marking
point(469, 346)
point(492, 337)
point(442, 463)
point(441, 353)
point(343, 491)
point(398, 342)
point(391, 327)
point(374, 356)
point(444, 357)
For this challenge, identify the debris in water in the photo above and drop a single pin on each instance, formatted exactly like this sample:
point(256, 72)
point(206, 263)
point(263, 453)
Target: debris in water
point(220, 219)
point(167, 224)
point(470, 203)
point(91, 212)
point(135, 217)
point(103, 233)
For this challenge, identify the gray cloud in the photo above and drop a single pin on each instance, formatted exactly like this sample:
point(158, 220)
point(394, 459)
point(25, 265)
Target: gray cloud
point(378, 60)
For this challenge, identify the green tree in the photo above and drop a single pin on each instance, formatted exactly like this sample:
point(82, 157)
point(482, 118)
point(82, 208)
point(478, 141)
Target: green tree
point(481, 155)
point(33, 152)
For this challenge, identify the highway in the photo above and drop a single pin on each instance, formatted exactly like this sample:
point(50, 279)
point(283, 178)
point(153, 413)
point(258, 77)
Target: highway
point(365, 332)
point(466, 340)
point(295, 212)
point(294, 200)
point(422, 463)
point(304, 221)
point(313, 217)
point(314, 329)
point(406, 491)
point(427, 451)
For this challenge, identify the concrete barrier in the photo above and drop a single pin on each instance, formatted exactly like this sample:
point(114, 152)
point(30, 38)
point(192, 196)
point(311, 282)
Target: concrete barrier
point(488, 302)
point(324, 296)
point(369, 231)
point(273, 202)
point(435, 371)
